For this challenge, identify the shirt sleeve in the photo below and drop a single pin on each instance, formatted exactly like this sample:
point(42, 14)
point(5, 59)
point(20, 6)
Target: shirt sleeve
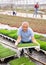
point(19, 32)
point(31, 33)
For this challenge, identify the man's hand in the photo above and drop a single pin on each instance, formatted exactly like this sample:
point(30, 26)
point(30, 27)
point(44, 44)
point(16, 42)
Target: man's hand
point(16, 45)
point(17, 41)
point(37, 48)
point(34, 41)
point(37, 43)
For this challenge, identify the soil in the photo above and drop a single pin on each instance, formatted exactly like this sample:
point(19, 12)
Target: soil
point(38, 25)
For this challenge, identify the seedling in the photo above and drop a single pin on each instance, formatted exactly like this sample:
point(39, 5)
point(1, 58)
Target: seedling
point(22, 61)
point(5, 52)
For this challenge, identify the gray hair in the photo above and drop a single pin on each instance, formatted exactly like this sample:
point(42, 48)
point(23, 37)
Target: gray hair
point(25, 23)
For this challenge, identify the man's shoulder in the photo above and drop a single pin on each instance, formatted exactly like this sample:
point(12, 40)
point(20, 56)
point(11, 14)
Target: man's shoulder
point(20, 28)
point(29, 28)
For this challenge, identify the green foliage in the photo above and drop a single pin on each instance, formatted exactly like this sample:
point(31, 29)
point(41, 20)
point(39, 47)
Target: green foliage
point(10, 33)
point(40, 37)
point(13, 34)
point(42, 41)
point(27, 44)
point(4, 31)
point(42, 44)
point(5, 52)
point(22, 61)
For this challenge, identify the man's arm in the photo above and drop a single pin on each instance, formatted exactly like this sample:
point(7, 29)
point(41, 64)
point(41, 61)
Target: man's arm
point(18, 40)
point(34, 40)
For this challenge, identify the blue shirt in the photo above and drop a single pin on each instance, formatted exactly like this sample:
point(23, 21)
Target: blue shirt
point(25, 36)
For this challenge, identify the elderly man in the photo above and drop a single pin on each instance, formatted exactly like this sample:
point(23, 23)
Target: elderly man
point(25, 34)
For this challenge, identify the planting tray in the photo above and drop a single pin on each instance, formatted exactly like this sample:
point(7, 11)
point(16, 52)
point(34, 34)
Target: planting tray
point(5, 52)
point(21, 61)
point(27, 45)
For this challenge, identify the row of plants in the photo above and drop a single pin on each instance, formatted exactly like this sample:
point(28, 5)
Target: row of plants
point(41, 40)
point(10, 33)
point(21, 61)
point(42, 44)
point(6, 52)
point(13, 34)
point(40, 37)
point(27, 45)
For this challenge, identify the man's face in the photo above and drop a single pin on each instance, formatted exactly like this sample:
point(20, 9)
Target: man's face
point(25, 27)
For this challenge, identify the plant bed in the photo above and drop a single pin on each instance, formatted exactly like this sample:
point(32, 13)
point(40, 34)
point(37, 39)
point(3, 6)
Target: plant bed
point(42, 41)
point(40, 37)
point(9, 33)
point(27, 45)
point(42, 44)
point(5, 52)
point(13, 35)
point(21, 61)
point(4, 31)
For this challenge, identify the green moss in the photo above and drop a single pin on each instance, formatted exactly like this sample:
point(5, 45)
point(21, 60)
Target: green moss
point(22, 61)
point(5, 52)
